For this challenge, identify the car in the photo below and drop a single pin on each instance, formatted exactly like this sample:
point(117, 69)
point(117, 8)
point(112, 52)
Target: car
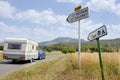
point(41, 55)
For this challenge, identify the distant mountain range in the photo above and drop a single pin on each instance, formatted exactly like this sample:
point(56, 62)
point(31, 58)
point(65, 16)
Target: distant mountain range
point(71, 40)
point(60, 40)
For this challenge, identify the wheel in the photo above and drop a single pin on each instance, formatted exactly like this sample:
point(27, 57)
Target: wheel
point(14, 60)
point(39, 58)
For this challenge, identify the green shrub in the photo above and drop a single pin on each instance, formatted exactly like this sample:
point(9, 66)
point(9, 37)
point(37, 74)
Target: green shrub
point(1, 47)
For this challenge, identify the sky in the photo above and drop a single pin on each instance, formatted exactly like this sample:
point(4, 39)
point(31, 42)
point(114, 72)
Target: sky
point(43, 20)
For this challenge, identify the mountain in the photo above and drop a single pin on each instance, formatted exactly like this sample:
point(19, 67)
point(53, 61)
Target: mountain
point(61, 40)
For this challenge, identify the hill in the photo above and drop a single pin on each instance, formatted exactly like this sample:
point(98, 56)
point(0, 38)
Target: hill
point(60, 40)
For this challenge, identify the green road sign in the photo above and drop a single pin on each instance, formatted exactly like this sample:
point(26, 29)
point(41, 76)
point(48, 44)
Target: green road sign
point(102, 31)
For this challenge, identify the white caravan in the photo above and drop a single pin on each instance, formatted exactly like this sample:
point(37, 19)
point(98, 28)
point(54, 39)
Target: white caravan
point(20, 49)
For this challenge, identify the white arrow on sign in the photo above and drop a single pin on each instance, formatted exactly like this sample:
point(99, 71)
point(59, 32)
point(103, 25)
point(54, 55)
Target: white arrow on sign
point(102, 31)
point(78, 15)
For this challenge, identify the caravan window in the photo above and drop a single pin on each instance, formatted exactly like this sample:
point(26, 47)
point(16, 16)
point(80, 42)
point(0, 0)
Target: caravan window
point(14, 46)
point(32, 47)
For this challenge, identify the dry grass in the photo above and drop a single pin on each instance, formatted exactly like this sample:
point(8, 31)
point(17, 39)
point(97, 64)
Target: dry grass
point(90, 66)
point(1, 56)
point(53, 53)
point(65, 68)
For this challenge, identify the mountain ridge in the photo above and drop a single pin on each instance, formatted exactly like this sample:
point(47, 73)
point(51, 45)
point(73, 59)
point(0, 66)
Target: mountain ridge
point(60, 40)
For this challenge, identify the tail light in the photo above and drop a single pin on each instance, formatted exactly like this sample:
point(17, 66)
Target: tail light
point(5, 57)
point(22, 58)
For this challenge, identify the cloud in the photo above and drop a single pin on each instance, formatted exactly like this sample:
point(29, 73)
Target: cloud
point(69, 1)
point(36, 17)
point(47, 25)
point(46, 17)
point(6, 10)
point(104, 5)
point(36, 33)
point(41, 33)
point(113, 31)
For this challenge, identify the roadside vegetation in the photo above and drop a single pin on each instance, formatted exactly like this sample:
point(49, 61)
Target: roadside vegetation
point(53, 53)
point(1, 56)
point(66, 68)
point(106, 46)
point(1, 47)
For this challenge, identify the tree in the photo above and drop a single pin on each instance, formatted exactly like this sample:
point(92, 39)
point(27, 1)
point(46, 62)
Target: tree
point(1, 47)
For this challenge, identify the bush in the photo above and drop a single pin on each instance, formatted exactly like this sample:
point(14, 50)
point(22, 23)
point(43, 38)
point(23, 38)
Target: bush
point(64, 50)
point(1, 47)
point(68, 50)
point(93, 49)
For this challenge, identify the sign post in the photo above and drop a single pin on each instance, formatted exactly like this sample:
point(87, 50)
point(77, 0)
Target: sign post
point(100, 59)
point(79, 41)
point(102, 31)
point(79, 45)
point(78, 15)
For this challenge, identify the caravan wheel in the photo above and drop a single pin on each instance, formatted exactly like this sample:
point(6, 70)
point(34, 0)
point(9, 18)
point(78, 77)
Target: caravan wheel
point(14, 60)
point(30, 61)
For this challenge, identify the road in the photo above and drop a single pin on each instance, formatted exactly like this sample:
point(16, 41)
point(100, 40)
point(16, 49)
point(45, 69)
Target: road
point(7, 66)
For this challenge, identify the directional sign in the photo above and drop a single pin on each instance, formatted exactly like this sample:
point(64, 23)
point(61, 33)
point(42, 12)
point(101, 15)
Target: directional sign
point(102, 31)
point(78, 15)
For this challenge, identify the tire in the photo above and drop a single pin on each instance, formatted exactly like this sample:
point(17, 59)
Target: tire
point(14, 61)
point(39, 58)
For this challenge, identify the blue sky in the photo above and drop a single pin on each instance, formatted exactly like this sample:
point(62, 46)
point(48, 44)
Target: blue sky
point(45, 20)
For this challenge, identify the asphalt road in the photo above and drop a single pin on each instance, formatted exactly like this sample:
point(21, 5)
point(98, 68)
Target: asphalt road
point(7, 66)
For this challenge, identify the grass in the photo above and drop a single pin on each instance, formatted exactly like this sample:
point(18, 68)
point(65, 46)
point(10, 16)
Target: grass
point(65, 68)
point(53, 53)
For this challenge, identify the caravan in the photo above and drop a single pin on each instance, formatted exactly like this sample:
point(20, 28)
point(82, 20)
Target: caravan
point(20, 49)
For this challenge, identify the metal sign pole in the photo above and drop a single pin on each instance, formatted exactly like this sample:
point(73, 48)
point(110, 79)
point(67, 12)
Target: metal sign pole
point(79, 45)
point(100, 59)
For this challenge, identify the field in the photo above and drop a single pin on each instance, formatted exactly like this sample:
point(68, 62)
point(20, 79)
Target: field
point(66, 68)
point(53, 53)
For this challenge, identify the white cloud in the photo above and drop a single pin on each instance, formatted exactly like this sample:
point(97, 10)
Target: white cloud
point(70, 1)
point(49, 25)
point(46, 17)
point(41, 33)
point(29, 15)
point(104, 5)
point(36, 33)
point(113, 31)
point(6, 10)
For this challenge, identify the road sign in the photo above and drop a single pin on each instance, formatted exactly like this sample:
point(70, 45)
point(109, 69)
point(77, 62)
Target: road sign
point(102, 31)
point(78, 15)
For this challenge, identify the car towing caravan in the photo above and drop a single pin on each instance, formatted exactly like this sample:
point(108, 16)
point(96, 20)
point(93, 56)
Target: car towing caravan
point(20, 49)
